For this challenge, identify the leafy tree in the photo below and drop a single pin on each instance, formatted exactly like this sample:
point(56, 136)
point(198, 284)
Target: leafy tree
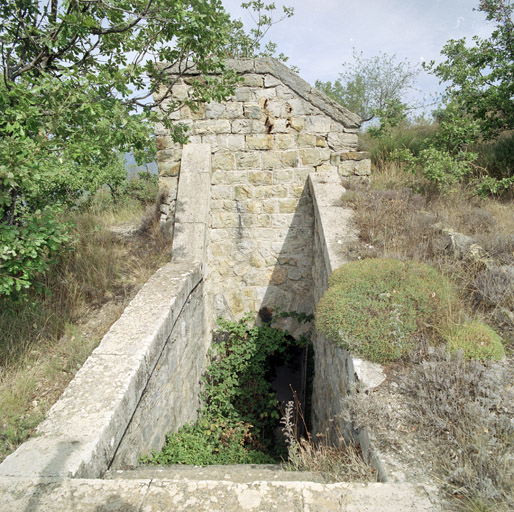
point(480, 76)
point(372, 87)
point(478, 105)
point(248, 44)
point(78, 78)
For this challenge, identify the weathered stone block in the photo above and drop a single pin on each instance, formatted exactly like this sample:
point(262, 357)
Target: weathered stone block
point(253, 111)
point(271, 81)
point(231, 142)
point(229, 177)
point(234, 110)
point(252, 80)
point(314, 156)
point(317, 124)
point(299, 107)
point(280, 126)
point(243, 94)
point(243, 192)
point(214, 110)
point(260, 141)
point(306, 140)
point(222, 192)
point(297, 123)
point(224, 161)
point(326, 168)
point(342, 141)
point(321, 142)
point(289, 158)
point(287, 205)
point(276, 108)
point(267, 94)
point(260, 177)
point(167, 169)
point(354, 155)
point(283, 141)
point(359, 167)
point(283, 92)
point(212, 126)
point(241, 126)
point(283, 176)
point(248, 160)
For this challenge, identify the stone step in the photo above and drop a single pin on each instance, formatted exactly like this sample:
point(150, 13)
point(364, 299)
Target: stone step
point(154, 495)
point(239, 473)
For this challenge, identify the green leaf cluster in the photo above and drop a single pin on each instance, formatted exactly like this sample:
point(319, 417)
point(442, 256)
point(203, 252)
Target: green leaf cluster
point(80, 85)
point(378, 308)
point(240, 410)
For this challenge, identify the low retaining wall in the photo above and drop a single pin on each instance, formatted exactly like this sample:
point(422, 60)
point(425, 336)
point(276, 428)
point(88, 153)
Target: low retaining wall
point(143, 380)
point(84, 429)
point(334, 371)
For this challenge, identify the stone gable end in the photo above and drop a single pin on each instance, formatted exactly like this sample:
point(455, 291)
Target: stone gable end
point(265, 141)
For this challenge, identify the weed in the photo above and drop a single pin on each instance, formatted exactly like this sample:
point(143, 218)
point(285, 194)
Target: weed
point(240, 410)
point(338, 461)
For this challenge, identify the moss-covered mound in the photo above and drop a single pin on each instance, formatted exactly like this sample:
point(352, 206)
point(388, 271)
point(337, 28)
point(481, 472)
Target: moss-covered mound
point(377, 308)
point(476, 340)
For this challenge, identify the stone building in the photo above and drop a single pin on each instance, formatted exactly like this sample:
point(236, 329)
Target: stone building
point(264, 142)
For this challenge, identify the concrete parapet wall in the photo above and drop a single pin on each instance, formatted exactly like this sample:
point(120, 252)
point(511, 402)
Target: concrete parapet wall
point(335, 373)
point(82, 431)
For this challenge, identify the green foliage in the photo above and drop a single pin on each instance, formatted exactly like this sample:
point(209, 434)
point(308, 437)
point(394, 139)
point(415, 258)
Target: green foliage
point(248, 44)
point(77, 79)
point(373, 87)
point(476, 340)
point(480, 76)
point(378, 308)
point(210, 442)
point(239, 411)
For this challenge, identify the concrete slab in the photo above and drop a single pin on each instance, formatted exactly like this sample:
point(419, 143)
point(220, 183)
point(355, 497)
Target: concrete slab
point(58, 495)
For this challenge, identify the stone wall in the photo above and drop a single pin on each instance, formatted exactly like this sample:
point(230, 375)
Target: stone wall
point(82, 431)
point(265, 141)
point(144, 378)
point(335, 370)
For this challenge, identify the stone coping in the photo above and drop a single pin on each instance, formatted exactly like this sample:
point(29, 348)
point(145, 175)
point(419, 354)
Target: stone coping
point(83, 429)
point(155, 495)
point(270, 66)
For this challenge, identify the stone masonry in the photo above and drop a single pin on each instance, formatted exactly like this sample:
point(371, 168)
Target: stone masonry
point(265, 141)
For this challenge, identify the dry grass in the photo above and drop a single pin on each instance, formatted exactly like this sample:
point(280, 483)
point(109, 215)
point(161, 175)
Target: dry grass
point(337, 460)
point(461, 408)
point(46, 338)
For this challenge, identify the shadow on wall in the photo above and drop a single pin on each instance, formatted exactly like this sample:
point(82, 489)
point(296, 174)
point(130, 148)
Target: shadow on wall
point(290, 287)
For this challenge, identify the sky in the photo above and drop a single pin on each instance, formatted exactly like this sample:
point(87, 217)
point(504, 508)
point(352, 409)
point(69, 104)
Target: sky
point(321, 35)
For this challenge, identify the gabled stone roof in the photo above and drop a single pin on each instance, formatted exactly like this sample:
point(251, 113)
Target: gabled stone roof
point(268, 65)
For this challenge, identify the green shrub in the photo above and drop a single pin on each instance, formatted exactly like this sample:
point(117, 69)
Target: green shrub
point(377, 308)
point(240, 410)
point(476, 340)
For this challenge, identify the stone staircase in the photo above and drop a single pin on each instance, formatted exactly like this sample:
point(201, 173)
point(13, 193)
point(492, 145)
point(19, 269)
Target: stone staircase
point(211, 489)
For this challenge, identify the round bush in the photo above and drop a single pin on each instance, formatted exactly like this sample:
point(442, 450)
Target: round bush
point(377, 308)
point(476, 340)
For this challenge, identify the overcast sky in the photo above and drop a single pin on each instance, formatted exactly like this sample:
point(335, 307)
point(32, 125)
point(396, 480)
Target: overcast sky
point(321, 34)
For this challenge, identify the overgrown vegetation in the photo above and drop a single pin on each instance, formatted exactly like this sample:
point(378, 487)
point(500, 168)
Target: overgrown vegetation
point(337, 459)
point(379, 308)
point(239, 409)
